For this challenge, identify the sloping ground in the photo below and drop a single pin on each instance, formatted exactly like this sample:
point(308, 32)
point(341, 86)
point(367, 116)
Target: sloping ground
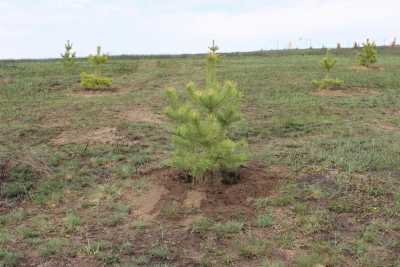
point(83, 180)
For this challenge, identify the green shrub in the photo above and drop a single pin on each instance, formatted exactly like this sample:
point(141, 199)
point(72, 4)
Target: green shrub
point(203, 143)
point(72, 221)
point(68, 57)
point(28, 233)
point(307, 260)
point(265, 220)
point(96, 81)
point(52, 247)
point(368, 54)
point(20, 182)
point(231, 227)
point(327, 63)
point(93, 82)
point(9, 259)
point(161, 252)
point(252, 247)
point(202, 226)
point(327, 83)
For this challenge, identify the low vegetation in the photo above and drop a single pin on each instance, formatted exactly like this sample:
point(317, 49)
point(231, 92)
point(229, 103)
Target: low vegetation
point(85, 177)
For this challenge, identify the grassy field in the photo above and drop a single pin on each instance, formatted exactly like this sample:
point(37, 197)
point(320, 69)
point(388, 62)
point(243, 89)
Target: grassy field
point(84, 183)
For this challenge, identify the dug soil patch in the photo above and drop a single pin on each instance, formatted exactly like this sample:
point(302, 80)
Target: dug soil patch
point(5, 81)
point(145, 203)
point(214, 199)
point(384, 126)
point(343, 92)
point(79, 91)
point(141, 115)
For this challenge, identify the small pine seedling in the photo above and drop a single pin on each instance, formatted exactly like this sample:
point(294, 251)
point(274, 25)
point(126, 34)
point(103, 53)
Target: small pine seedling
point(202, 140)
point(69, 55)
point(368, 54)
point(98, 60)
point(327, 63)
point(96, 81)
point(212, 59)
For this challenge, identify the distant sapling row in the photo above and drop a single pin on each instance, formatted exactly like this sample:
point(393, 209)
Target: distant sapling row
point(95, 81)
point(328, 63)
point(203, 144)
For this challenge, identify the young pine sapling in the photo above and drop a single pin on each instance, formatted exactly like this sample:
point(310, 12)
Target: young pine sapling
point(368, 54)
point(98, 60)
point(96, 81)
point(68, 57)
point(328, 63)
point(203, 144)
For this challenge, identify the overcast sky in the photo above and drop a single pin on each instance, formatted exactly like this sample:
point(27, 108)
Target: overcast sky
point(39, 28)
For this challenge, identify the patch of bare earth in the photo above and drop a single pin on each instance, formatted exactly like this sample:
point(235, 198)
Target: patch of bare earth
point(50, 123)
point(212, 200)
point(383, 126)
point(106, 135)
point(343, 92)
point(392, 111)
point(78, 261)
point(112, 91)
point(141, 114)
point(194, 199)
point(218, 200)
point(5, 81)
point(146, 203)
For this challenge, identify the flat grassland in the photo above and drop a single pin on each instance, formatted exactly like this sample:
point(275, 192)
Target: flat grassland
point(84, 182)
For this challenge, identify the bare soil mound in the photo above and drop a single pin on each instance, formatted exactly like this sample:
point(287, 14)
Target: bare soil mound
point(141, 114)
point(114, 90)
point(215, 199)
